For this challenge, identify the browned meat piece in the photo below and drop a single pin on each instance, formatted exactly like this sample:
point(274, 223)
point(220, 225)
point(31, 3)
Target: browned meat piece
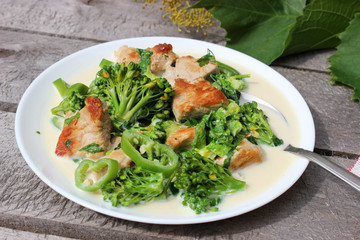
point(123, 160)
point(195, 100)
point(181, 138)
point(246, 153)
point(188, 68)
point(126, 54)
point(162, 57)
point(93, 126)
point(119, 155)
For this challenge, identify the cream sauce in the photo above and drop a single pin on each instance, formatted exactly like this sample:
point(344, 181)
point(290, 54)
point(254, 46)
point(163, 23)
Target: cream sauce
point(259, 177)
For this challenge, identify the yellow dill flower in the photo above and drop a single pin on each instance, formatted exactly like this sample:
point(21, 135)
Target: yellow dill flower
point(179, 13)
point(147, 3)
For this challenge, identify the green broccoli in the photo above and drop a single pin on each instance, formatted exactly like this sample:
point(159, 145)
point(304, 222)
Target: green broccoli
point(158, 129)
point(202, 183)
point(229, 80)
point(257, 124)
point(218, 133)
point(130, 94)
point(134, 186)
point(75, 101)
point(231, 86)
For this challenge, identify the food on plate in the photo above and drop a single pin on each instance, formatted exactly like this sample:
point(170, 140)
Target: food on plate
point(87, 132)
point(197, 99)
point(246, 153)
point(156, 125)
point(189, 70)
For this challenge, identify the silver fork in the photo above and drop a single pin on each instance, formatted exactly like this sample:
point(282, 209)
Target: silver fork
point(332, 167)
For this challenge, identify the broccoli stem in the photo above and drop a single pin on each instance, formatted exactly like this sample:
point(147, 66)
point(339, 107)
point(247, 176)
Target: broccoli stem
point(141, 103)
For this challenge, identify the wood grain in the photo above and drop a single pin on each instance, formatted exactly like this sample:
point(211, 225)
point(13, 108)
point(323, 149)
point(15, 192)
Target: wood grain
point(11, 234)
point(101, 20)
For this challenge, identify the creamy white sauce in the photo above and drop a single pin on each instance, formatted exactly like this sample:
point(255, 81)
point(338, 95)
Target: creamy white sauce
point(259, 177)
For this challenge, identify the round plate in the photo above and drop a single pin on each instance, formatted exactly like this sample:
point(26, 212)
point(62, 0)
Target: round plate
point(34, 105)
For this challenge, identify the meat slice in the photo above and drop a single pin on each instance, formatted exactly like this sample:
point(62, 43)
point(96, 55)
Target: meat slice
point(162, 57)
point(118, 154)
point(181, 138)
point(195, 100)
point(246, 153)
point(90, 125)
point(188, 68)
point(123, 160)
point(126, 54)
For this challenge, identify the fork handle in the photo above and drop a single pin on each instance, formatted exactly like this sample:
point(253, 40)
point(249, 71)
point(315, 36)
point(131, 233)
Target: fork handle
point(332, 167)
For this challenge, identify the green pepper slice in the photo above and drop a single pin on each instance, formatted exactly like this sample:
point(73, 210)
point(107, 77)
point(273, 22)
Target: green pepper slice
point(81, 173)
point(159, 157)
point(65, 89)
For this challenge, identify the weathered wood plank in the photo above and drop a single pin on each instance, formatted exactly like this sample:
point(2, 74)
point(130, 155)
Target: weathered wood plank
point(119, 19)
point(101, 20)
point(313, 61)
point(11, 234)
point(23, 56)
point(319, 204)
point(335, 115)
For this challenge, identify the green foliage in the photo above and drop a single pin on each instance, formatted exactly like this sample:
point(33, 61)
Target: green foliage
point(258, 28)
point(319, 26)
point(267, 30)
point(344, 67)
point(130, 94)
point(203, 183)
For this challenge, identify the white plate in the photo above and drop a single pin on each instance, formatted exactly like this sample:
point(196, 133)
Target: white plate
point(34, 105)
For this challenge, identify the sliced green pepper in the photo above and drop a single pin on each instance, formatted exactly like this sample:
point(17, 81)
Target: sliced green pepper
point(148, 153)
point(65, 89)
point(81, 173)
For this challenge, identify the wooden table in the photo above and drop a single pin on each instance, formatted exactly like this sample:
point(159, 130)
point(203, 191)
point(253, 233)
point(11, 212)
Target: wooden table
point(36, 34)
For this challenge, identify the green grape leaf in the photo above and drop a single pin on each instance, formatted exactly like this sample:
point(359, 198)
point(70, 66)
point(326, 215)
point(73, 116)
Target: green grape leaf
point(319, 26)
point(259, 28)
point(346, 61)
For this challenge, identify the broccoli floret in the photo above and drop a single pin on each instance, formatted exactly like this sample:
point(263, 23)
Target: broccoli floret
point(218, 133)
point(231, 86)
point(74, 102)
point(229, 80)
point(134, 186)
point(145, 63)
point(158, 129)
point(257, 124)
point(202, 183)
point(131, 95)
point(170, 127)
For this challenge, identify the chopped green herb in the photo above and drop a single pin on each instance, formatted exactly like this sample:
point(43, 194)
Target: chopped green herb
point(70, 119)
point(92, 148)
point(204, 60)
point(38, 132)
point(68, 143)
